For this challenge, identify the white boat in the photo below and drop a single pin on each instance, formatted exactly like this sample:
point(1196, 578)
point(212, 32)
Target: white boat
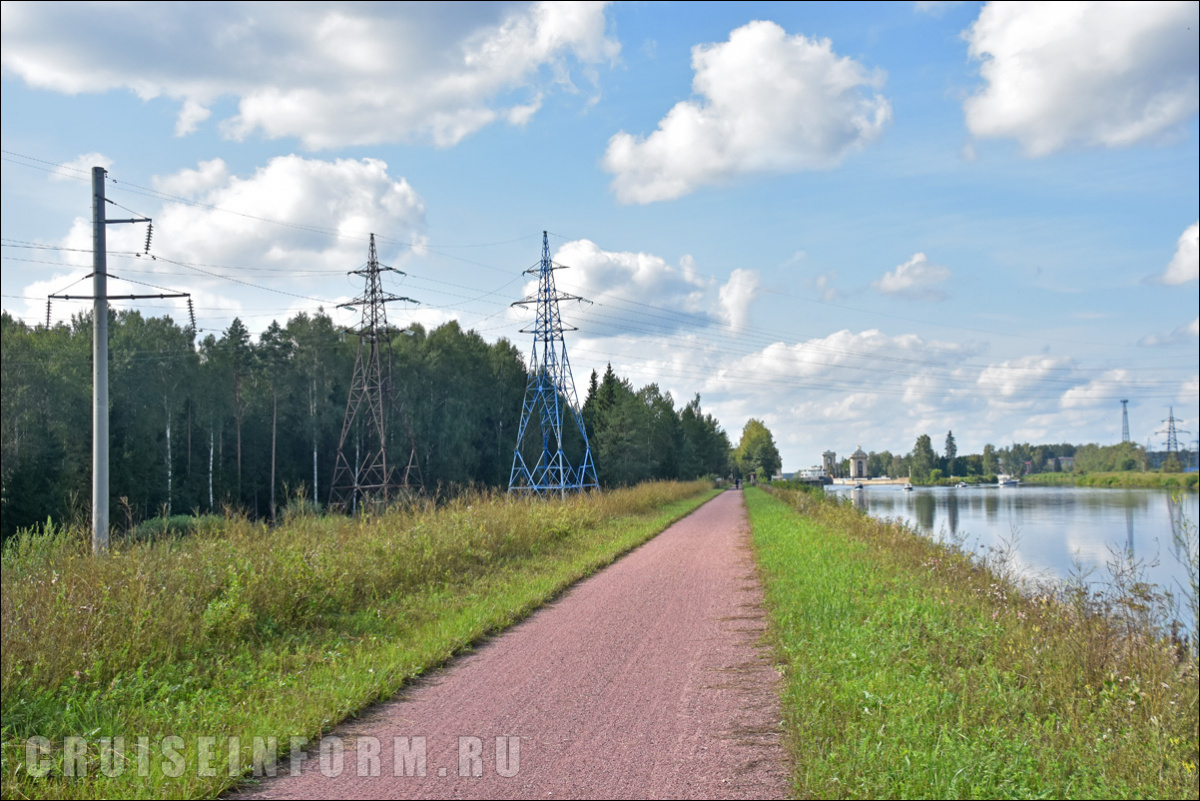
point(908, 488)
point(1007, 481)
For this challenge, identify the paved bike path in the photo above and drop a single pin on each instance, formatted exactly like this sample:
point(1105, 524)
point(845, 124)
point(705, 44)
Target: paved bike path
point(647, 680)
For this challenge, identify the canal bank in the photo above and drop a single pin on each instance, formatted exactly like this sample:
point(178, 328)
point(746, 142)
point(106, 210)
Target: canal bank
point(1051, 533)
point(912, 672)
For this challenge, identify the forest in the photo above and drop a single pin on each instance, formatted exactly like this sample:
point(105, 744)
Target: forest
point(227, 422)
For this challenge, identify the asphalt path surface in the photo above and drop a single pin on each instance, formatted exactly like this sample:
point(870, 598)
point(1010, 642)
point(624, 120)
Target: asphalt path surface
point(646, 680)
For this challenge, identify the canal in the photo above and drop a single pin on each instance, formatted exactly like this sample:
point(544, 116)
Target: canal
point(1052, 532)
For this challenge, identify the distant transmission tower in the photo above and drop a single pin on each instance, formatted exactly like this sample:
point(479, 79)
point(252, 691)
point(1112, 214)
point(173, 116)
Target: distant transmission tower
point(368, 476)
point(1124, 421)
point(1171, 432)
point(549, 394)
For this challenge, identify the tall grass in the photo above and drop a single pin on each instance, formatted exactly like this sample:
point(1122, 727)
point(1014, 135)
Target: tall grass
point(1130, 479)
point(915, 671)
point(237, 629)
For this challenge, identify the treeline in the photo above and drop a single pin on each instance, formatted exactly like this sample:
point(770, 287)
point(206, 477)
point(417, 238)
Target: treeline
point(638, 435)
point(924, 463)
point(229, 422)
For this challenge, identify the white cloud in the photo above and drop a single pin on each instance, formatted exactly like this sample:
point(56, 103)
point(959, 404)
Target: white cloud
point(1098, 74)
point(623, 286)
point(1185, 266)
point(934, 8)
point(190, 117)
point(914, 278)
point(769, 102)
point(845, 359)
point(1022, 381)
point(736, 296)
point(1099, 391)
point(873, 389)
point(1186, 333)
point(227, 234)
point(330, 74)
point(80, 167)
point(1190, 391)
point(886, 389)
point(352, 197)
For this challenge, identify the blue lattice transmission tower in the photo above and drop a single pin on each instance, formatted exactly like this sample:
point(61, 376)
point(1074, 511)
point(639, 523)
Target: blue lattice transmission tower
point(368, 476)
point(540, 465)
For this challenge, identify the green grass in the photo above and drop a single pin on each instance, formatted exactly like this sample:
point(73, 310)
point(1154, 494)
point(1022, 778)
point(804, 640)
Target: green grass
point(236, 630)
point(914, 672)
point(1129, 479)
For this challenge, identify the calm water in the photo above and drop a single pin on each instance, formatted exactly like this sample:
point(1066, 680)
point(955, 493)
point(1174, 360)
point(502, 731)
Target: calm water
point(1053, 527)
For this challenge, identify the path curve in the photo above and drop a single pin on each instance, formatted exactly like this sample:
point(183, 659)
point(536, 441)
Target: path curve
point(646, 680)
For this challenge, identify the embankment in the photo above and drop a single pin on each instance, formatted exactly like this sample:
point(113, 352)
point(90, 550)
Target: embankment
point(913, 671)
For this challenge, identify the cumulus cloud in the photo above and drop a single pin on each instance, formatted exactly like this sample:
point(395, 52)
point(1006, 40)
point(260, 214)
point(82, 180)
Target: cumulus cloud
point(1190, 391)
point(768, 102)
point(874, 389)
point(623, 286)
point(1024, 380)
point(1099, 391)
point(82, 164)
point(1185, 266)
point(330, 74)
point(887, 389)
point(736, 296)
point(1093, 74)
point(845, 359)
point(352, 197)
point(635, 294)
point(915, 278)
point(218, 226)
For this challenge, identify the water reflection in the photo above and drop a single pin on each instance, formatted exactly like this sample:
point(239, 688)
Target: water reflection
point(1129, 530)
point(859, 498)
point(1057, 530)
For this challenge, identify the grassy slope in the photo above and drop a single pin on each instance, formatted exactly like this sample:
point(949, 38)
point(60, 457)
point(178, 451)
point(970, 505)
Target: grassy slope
point(244, 632)
point(1121, 479)
point(912, 672)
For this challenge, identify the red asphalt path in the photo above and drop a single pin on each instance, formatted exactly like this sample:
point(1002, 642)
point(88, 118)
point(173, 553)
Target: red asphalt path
point(646, 680)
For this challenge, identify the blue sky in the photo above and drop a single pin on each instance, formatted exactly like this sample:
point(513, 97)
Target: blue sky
point(857, 222)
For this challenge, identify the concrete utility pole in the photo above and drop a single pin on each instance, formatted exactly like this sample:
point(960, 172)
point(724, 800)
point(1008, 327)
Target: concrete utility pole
point(99, 366)
point(100, 299)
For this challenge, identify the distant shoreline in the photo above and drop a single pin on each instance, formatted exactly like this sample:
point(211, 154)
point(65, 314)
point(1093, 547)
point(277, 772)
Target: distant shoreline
point(1115, 480)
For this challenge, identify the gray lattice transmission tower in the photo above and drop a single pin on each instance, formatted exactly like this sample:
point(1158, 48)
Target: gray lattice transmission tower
point(1125, 421)
point(369, 476)
point(1172, 432)
point(549, 398)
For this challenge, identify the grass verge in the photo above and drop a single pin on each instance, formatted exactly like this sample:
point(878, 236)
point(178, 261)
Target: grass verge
point(239, 631)
point(1131, 479)
point(912, 671)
